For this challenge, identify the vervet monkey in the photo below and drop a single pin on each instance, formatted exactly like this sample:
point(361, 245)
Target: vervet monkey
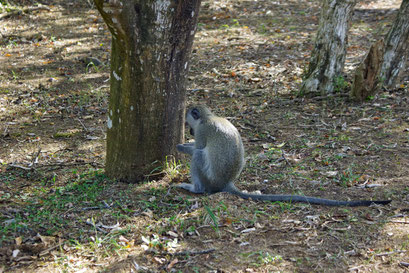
point(218, 158)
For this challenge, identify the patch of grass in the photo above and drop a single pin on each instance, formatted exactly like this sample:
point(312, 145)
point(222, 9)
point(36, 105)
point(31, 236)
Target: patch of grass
point(348, 178)
point(340, 84)
point(285, 206)
point(159, 243)
point(261, 258)
point(172, 168)
point(66, 134)
point(15, 75)
point(45, 211)
point(214, 219)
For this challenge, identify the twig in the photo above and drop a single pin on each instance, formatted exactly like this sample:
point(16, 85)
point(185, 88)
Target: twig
point(102, 86)
point(20, 167)
point(183, 253)
point(399, 222)
point(35, 158)
point(5, 130)
point(283, 155)
point(331, 96)
point(207, 226)
point(91, 208)
point(13, 165)
point(95, 226)
point(106, 206)
point(90, 4)
point(390, 253)
point(46, 251)
point(93, 163)
point(83, 125)
point(405, 264)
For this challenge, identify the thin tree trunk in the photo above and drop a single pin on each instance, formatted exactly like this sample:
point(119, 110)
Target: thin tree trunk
point(385, 60)
point(151, 44)
point(396, 47)
point(328, 56)
point(366, 79)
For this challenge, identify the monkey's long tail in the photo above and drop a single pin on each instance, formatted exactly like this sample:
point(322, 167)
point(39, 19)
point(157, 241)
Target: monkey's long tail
point(303, 199)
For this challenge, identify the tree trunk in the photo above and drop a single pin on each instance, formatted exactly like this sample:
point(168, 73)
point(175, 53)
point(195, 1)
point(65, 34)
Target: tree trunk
point(151, 44)
point(366, 78)
point(328, 56)
point(396, 47)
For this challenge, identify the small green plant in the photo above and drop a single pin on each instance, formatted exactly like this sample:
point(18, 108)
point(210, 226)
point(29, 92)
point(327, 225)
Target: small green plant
point(263, 258)
point(285, 206)
point(15, 77)
point(172, 167)
point(155, 242)
point(91, 65)
point(340, 84)
point(347, 178)
point(235, 23)
point(213, 217)
point(262, 29)
point(200, 26)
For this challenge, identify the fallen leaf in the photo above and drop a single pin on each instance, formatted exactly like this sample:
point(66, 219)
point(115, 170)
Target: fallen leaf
point(172, 263)
point(18, 240)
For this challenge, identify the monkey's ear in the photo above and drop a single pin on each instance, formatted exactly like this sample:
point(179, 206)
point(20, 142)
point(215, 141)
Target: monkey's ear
point(195, 114)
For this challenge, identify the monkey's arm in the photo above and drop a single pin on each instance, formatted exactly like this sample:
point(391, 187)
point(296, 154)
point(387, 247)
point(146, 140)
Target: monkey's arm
point(186, 148)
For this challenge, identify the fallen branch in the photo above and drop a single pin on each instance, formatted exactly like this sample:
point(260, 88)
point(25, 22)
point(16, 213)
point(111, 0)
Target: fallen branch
point(405, 264)
point(106, 206)
point(34, 161)
point(183, 253)
point(331, 96)
point(399, 222)
point(390, 253)
point(96, 226)
point(25, 10)
point(92, 163)
point(285, 158)
point(83, 125)
point(20, 167)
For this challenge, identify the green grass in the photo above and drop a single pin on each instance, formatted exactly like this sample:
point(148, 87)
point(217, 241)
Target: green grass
point(45, 209)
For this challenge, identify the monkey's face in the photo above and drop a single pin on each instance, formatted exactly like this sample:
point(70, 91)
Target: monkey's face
point(193, 119)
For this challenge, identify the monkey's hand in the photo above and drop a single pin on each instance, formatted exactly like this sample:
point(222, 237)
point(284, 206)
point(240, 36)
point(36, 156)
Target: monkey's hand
point(186, 148)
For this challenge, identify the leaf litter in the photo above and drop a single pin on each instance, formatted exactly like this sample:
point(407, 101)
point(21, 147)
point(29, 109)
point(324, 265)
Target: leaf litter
point(60, 213)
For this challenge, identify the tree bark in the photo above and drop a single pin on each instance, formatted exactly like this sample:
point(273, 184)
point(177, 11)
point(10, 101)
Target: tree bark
point(328, 56)
point(151, 44)
point(366, 79)
point(396, 48)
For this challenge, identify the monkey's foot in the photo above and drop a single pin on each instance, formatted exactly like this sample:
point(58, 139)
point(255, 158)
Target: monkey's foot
point(189, 187)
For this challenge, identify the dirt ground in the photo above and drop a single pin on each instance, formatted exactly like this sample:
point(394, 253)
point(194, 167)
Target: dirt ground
point(60, 213)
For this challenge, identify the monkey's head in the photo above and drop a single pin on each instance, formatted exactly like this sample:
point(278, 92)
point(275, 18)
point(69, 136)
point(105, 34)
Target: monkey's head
point(195, 115)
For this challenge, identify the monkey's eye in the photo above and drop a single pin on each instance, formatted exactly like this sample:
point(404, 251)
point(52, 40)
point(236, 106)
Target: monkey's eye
point(195, 114)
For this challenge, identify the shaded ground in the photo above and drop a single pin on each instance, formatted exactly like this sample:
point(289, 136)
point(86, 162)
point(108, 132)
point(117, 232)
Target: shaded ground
point(59, 213)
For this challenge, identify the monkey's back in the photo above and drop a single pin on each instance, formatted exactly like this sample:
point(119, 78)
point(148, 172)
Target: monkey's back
point(225, 153)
